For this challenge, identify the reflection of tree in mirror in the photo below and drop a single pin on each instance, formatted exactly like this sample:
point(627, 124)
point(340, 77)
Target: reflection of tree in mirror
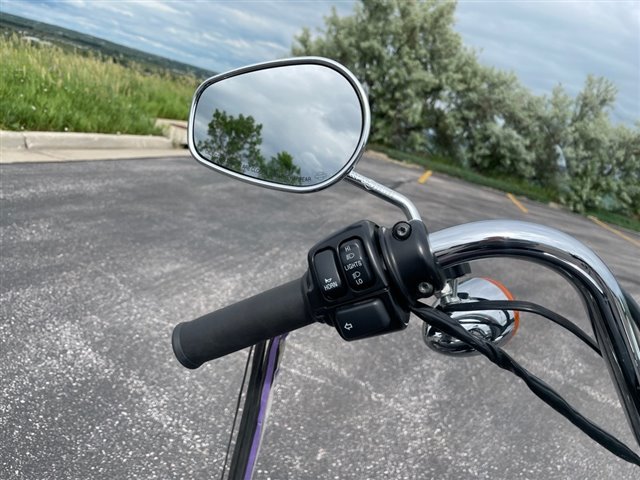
point(282, 166)
point(234, 143)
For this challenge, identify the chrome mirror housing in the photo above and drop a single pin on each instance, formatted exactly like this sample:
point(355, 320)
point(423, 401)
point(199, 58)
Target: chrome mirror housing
point(298, 124)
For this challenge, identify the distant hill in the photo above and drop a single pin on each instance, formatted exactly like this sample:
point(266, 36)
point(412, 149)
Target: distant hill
point(70, 39)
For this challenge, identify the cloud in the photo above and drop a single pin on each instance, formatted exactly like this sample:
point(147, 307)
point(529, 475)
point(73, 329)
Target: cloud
point(114, 8)
point(166, 7)
point(546, 43)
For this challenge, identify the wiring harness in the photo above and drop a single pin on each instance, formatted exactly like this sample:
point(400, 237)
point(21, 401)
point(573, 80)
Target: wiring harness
point(438, 318)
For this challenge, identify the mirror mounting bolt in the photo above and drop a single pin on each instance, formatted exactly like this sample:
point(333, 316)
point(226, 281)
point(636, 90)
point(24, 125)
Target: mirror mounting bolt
point(425, 289)
point(401, 230)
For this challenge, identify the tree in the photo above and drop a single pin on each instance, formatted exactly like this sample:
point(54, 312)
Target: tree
point(625, 158)
point(234, 143)
point(428, 92)
point(404, 52)
point(282, 167)
point(486, 122)
point(601, 160)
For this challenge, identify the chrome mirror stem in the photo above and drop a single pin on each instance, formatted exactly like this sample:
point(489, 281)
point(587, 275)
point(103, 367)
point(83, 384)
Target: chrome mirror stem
point(385, 193)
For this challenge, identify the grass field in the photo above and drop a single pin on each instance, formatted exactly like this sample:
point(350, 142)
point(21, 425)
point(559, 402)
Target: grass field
point(46, 88)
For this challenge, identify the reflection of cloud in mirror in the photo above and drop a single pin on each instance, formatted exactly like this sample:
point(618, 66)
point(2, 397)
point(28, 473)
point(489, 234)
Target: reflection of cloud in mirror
point(309, 162)
point(309, 111)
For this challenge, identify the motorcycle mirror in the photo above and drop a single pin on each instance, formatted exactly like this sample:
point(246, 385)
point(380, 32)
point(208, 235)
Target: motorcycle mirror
point(298, 125)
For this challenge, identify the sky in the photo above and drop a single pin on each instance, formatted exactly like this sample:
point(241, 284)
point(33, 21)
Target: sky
point(545, 42)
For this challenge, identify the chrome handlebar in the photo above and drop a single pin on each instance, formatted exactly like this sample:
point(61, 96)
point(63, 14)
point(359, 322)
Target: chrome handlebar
point(616, 331)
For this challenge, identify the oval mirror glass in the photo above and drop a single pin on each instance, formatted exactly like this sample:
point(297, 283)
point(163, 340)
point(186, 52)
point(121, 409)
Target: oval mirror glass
point(296, 125)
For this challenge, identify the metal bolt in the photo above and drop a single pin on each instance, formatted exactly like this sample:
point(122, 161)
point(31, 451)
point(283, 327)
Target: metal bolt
point(401, 230)
point(425, 289)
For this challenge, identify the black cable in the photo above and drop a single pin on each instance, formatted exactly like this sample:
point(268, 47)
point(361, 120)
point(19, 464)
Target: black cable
point(542, 390)
point(523, 306)
point(235, 416)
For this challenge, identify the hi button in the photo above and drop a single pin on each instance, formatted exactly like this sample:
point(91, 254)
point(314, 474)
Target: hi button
point(355, 265)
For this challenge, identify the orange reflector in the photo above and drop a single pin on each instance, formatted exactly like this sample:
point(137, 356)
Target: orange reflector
point(509, 295)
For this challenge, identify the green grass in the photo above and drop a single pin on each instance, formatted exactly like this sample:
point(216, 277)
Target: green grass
point(512, 185)
point(45, 88)
point(616, 219)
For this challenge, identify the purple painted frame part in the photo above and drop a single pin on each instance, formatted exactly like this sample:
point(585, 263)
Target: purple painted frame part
point(264, 401)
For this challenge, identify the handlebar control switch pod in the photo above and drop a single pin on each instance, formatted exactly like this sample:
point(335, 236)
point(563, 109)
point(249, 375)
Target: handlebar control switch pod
point(363, 278)
point(495, 326)
point(410, 262)
point(348, 287)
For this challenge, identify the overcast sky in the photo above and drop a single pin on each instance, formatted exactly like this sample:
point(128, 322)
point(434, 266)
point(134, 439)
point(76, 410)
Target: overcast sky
point(543, 42)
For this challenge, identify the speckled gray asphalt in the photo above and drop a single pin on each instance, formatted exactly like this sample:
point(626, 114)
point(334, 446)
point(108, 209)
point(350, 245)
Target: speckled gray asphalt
point(101, 259)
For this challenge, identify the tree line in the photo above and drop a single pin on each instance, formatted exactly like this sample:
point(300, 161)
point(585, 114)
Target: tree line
point(429, 93)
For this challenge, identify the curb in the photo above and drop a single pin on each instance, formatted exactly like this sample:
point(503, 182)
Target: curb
point(80, 141)
point(174, 130)
point(17, 156)
point(387, 158)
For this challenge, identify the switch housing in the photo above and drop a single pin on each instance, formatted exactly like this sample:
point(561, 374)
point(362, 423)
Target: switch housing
point(363, 294)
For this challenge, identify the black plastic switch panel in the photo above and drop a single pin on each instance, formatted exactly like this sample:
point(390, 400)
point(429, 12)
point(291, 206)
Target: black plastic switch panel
point(362, 320)
point(355, 265)
point(327, 274)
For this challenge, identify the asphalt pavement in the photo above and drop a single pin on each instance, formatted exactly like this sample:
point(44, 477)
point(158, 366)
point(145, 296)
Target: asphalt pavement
point(101, 259)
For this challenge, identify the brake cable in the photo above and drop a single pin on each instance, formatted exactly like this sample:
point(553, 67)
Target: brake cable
point(523, 306)
point(443, 322)
point(237, 410)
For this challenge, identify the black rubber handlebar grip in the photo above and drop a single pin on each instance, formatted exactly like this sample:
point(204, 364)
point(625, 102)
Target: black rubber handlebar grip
point(263, 316)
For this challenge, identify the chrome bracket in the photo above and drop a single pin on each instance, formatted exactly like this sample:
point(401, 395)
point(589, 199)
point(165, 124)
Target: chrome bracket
point(385, 193)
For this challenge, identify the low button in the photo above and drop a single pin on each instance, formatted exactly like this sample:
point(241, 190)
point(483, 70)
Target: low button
point(355, 265)
point(327, 274)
